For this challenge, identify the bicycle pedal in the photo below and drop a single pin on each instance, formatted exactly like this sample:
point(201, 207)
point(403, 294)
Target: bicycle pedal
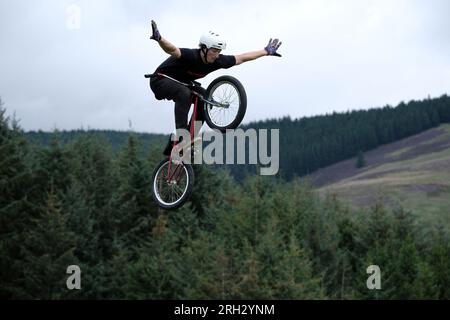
point(176, 162)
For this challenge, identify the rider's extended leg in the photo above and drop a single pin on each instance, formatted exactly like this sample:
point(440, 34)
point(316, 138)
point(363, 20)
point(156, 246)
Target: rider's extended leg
point(170, 90)
point(167, 89)
point(182, 99)
point(200, 119)
point(182, 105)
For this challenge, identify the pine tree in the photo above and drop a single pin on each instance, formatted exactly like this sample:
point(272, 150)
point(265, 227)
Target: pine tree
point(212, 188)
point(294, 272)
point(153, 274)
point(425, 285)
point(132, 200)
point(248, 283)
point(220, 275)
point(439, 263)
point(93, 184)
point(405, 272)
point(375, 248)
point(48, 252)
point(16, 205)
point(52, 167)
point(342, 266)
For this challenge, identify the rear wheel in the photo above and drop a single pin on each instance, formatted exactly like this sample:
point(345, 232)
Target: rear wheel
point(172, 184)
point(229, 91)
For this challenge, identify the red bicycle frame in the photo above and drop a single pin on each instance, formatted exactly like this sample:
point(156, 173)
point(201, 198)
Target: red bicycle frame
point(195, 96)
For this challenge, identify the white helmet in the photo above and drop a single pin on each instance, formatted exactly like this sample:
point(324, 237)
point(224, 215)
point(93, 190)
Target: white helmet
point(213, 40)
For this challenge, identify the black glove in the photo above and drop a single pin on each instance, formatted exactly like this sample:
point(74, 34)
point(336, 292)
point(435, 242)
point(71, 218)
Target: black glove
point(155, 32)
point(272, 47)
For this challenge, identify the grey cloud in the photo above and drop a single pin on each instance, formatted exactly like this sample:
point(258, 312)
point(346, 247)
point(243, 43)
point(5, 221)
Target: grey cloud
point(332, 61)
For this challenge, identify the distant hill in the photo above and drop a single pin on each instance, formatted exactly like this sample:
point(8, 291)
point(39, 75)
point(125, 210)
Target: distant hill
point(412, 172)
point(308, 144)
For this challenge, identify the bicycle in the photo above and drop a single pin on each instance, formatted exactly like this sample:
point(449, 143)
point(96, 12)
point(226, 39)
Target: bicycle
point(173, 181)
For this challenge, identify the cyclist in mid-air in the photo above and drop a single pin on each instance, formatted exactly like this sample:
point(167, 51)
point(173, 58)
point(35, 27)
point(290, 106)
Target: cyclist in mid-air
point(187, 65)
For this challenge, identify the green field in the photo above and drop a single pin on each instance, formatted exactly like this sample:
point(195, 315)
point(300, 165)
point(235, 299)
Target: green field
point(420, 184)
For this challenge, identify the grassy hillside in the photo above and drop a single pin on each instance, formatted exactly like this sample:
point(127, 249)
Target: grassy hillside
point(413, 173)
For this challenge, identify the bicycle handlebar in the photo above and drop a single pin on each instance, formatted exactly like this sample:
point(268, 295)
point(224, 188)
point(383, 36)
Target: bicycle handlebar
point(193, 83)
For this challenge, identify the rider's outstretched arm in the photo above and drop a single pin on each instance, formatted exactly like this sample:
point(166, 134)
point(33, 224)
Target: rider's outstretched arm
point(169, 48)
point(249, 56)
point(269, 50)
point(164, 43)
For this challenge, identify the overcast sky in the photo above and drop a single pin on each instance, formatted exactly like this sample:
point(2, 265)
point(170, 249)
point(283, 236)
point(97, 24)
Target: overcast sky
point(338, 55)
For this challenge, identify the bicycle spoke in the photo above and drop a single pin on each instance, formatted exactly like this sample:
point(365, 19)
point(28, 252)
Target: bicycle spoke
point(226, 94)
point(178, 191)
point(171, 190)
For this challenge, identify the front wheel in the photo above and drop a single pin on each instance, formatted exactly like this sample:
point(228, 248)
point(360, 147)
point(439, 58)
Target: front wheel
point(229, 92)
point(172, 184)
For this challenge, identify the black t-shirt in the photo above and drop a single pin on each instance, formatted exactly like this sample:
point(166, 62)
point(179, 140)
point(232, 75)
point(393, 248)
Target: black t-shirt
point(190, 65)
